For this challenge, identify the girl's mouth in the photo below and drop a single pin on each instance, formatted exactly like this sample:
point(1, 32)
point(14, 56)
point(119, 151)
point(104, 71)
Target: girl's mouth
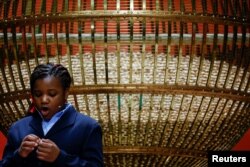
point(44, 110)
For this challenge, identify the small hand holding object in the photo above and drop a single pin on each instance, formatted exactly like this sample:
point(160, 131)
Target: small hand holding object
point(47, 150)
point(29, 143)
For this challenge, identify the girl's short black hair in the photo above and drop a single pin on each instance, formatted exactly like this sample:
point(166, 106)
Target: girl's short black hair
point(56, 70)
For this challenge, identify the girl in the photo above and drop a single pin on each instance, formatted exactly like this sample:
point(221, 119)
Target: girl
point(54, 134)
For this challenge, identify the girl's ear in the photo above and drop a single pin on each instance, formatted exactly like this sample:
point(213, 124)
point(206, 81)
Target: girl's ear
point(32, 106)
point(32, 98)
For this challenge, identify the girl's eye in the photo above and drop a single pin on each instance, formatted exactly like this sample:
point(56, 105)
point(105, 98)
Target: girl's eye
point(52, 94)
point(37, 94)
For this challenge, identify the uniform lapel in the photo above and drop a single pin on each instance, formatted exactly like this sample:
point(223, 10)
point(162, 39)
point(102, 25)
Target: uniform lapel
point(36, 124)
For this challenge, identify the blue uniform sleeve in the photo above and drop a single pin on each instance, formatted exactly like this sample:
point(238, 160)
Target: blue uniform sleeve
point(11, 158)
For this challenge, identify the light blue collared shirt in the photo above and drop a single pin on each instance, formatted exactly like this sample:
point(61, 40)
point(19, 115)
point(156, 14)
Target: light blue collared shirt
point(48, 124)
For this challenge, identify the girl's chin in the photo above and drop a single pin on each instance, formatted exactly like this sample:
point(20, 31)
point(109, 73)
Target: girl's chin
point(45, 114)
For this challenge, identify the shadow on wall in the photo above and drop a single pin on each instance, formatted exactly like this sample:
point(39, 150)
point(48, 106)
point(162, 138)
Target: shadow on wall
point(243, 144)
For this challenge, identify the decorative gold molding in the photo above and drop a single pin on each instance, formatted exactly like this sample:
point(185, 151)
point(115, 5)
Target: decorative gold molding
point(141, 88)
point(155, 150)
point(126, 15)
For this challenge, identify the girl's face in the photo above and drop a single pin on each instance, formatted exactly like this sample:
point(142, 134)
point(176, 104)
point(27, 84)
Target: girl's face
point(49, 96)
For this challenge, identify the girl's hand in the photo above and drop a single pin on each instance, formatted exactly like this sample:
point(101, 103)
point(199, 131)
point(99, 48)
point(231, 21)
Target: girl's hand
point(47, 150)
point(29, 143)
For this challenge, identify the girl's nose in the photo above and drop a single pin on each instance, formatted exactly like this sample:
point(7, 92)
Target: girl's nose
point(44, 99)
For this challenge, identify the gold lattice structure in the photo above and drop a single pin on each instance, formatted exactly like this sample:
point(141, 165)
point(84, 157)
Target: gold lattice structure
point(167, 80)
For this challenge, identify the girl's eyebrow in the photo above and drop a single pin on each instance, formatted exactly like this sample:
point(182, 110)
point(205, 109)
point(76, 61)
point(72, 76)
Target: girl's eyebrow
point(38, 90)
point(52, 90)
